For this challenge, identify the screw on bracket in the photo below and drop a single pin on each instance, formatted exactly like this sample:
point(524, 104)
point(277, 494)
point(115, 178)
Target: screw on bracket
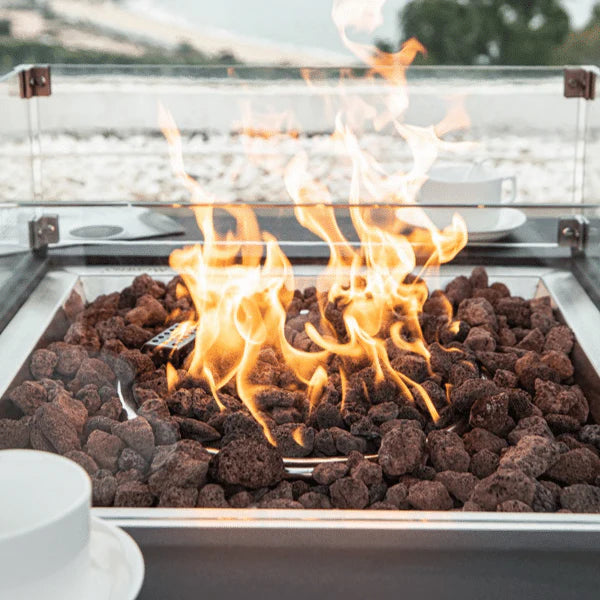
point(35, 81)
point(43, 231)
point(572, 232)
point(580, 83)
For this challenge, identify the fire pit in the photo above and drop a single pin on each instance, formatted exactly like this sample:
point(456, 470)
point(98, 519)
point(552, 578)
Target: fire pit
point(303, 365)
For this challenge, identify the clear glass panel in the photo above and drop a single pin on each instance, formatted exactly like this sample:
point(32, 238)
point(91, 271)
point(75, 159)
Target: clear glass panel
point(157, 230)
point(591, 190)
point(100, 139)
point(16, 182)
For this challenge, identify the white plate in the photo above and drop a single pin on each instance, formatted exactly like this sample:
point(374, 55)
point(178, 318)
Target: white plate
point(483, 224)
point(113, 570)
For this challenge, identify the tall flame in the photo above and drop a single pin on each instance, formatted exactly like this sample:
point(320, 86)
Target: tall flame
point(368, 297)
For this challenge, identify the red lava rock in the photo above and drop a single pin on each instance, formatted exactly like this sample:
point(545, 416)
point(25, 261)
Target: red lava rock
point(312, 500)
point(249, 463)
point(380, 413)
point(460, 485)
point(132, 460)
point(105, 449)
point(534, 425)
point(90, 398)
point(70, 357)
point(294, 440)
point(458, 290)
point(533, 454)
point(212, 496)
point(505, 379)
point(178, 465)
point(484, 463)
point(369, 473)
point(559, 338)
point(477, 311)
point(178, 497)
point(80, 334)
point(397, 496)
point(14, 433)
point(28, 397)
point(83, 460)
point(559, 362)
point(533, 341)
point(133, 493)
point(429, 495)
point(576, 466)
point(42, 363)
point(481, 439)
point(463, 397)
point(74, 409)
point(581, 498)
point(589, 434)
point(52, 430)
point(501, 486)
point(490, 413)
point(402, 449)
point(480, 339)
point(104, 488)
point(138, 435)
point(513, 506)
point(516, 310)
point(478, 278)
point(326, 473)
point(447, 451)
point(349, 493)
point(554, 398)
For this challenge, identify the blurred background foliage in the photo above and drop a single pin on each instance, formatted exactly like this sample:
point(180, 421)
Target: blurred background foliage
point(455, 32)
point(497, 32)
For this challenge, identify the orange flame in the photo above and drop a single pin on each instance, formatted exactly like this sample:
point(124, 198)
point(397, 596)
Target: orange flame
point(367, 293)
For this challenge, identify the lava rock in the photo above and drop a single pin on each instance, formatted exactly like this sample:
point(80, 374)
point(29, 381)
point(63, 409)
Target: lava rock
point(533, 454)
point(52, 430)
point(576, 466)
point(581, 498)
point(402, 449)
point(349, 493)
point(249, 463)
point(105, 449)
point(15, 433)
point(501, 486)
point(490, 413)
point(133, 494)
point(447, 451)
point(460, 485)
point(326, 473)
point(429, 495)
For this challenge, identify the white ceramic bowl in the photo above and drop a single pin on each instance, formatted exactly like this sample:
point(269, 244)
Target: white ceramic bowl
point(467, 183)
point(49, 546)
point(44, 515)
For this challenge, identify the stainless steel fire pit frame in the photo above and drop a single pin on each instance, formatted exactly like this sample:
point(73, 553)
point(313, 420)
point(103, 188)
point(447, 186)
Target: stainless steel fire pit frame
point(219, 546)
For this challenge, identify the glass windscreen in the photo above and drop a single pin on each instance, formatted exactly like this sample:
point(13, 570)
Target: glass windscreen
point(473, 136)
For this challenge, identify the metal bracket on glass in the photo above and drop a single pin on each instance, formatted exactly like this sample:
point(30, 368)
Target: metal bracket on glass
point(43, 231)
point(580, 83)
point(35, 81)
point(572, 232)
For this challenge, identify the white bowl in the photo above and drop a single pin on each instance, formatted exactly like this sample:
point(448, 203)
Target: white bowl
point(44, 515)
point(48, 549)
point(467, 183)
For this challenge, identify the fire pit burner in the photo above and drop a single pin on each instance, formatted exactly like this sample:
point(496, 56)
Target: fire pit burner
point(126, 438)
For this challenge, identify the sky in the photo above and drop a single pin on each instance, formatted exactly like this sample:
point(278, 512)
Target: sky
point(297, 22)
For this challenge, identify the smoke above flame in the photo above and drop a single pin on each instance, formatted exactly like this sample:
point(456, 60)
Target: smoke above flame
point(368, 298)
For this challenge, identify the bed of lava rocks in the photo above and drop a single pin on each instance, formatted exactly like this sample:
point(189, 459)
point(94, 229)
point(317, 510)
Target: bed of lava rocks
point(523, 438)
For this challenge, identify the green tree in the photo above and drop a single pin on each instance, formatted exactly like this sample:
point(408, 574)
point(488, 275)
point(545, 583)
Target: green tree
point(511, 32)
point(582, 47)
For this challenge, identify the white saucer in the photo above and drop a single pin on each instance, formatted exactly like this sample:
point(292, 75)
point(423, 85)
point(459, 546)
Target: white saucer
point(483, 224)
point(112, 569)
